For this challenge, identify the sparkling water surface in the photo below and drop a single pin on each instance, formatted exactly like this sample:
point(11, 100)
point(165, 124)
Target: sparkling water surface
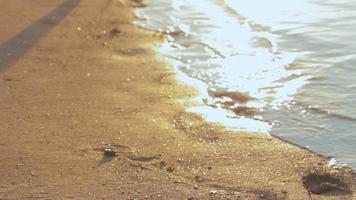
point(283, 67)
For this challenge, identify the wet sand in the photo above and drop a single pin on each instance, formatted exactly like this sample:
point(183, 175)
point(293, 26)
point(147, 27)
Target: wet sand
point(92, 80)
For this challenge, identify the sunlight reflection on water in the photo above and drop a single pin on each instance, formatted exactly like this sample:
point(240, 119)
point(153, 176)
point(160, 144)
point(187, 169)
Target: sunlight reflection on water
point(279, 67)
point(231, 60)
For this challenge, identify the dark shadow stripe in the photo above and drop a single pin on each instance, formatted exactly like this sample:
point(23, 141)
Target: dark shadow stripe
point(13, 49)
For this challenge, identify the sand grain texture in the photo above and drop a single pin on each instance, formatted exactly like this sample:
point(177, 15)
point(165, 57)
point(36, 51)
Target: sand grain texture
point(93, 80)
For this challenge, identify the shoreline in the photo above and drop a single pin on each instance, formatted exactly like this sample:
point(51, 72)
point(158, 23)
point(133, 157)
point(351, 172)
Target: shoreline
point(272, 94)
point(93, 81)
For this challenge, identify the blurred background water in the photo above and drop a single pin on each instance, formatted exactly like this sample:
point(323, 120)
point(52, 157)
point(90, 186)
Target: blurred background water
point(283, 67)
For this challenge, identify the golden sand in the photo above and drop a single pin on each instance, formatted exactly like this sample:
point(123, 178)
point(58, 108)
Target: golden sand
point(94, 81)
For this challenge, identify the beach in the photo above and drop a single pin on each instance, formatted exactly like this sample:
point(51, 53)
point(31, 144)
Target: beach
point(81, 77)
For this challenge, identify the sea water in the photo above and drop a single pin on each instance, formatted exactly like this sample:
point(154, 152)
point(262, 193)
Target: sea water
point(280, 67)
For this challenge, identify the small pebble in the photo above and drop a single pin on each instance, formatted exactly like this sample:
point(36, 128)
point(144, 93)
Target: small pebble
point(110, 152)
point(213, 191)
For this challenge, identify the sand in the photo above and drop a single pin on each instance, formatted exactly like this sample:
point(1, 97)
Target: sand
point(80, 77)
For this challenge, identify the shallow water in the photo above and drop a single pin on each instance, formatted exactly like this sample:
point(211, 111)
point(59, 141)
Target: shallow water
point(281, 67)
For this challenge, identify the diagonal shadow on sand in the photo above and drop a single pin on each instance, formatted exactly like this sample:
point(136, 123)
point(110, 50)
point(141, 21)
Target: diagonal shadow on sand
point(13, 49)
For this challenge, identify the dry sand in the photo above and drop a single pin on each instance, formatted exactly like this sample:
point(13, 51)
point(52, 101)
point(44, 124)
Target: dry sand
point(81, 77)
